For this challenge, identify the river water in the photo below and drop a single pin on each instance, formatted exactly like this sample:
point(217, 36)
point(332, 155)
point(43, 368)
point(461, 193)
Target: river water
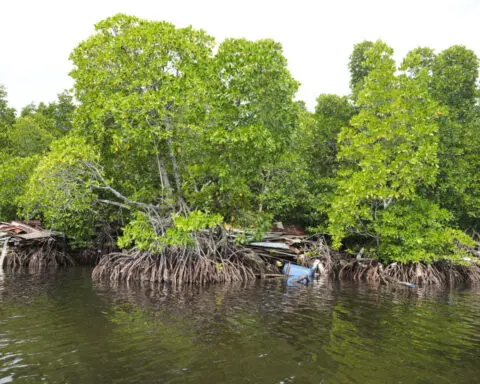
point(64, 328)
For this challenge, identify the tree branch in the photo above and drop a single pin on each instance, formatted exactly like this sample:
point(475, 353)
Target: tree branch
point(110, 202)
point(106, 187)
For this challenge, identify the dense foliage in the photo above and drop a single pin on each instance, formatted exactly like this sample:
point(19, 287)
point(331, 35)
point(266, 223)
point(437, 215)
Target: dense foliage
point(171, 135)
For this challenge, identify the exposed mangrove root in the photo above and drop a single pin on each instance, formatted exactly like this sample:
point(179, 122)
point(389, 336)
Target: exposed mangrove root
point(3, 254)
point(207, 262)
point(215, 259)
point(321, 251)
point(440, 273)
point(91, 256)
point(28, 246)
point(36, 257)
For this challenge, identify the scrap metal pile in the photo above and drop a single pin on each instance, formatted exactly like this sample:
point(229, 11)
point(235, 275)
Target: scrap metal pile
point(17, 231)
point(287, 244)
point(280, 245)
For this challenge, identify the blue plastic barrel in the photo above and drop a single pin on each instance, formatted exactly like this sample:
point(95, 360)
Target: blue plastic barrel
point(293, 271)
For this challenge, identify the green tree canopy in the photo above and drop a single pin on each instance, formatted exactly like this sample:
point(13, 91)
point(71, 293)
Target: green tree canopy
point(249, 126)
point(388, 155)
point(177, 127)
point(140, 85)
point(359, 66)
point(7, 119)
point(454, 79)
point(454, 85)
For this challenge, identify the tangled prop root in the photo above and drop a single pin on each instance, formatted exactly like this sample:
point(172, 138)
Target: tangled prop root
point(37, 257)
point(205, 263)
point(436, 274)
point(321, 251)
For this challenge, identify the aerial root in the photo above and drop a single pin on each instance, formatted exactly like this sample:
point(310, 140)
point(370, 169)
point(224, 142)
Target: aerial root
point(436, 274)
point(213, 262)
point(204, 263)
point(37, 257)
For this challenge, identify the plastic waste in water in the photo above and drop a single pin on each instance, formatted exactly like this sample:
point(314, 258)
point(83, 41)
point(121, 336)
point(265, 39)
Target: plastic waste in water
point(296, 272)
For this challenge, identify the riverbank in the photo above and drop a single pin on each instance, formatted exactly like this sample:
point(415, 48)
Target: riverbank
point(220, 258)
point(439, 273)
point(234, 262)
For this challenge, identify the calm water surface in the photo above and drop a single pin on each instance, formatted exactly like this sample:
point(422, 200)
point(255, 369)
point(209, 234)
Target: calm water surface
point(64, 328)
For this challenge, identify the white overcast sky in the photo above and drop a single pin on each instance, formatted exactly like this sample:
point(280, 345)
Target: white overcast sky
point(37, 36)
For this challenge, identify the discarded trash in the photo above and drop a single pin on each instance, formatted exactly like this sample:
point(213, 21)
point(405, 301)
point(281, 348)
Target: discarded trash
point(28, 245)
point(21, 231)
point(264, 244)
point(297, 273)
point(411, 285)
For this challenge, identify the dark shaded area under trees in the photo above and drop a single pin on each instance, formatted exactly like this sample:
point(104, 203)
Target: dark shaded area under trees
point(171, 141)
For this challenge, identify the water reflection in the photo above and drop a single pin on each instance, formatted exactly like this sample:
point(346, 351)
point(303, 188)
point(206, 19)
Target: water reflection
point(63, 328)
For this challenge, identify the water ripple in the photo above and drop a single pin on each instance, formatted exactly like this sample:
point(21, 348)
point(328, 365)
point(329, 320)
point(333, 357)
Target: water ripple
point(62, 328)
